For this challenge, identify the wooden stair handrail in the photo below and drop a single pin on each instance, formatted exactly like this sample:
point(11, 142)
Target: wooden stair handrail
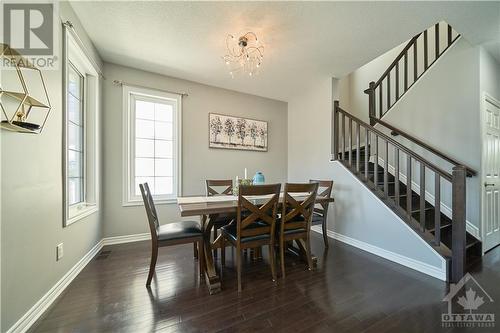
point(395, 143)
point(398, 58)
point(408, 68)
point(470, 172)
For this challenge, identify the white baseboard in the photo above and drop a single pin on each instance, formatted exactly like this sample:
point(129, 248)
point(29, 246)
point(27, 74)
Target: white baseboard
point(439, 273)
point(125, 239)
point(429, 197)
point(37, 310)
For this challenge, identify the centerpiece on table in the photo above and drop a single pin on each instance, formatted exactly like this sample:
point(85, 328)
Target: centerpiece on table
point(258, 179)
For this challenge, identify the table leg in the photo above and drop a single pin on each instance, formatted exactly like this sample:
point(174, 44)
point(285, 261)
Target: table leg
point(300, 251)
point(211, 277)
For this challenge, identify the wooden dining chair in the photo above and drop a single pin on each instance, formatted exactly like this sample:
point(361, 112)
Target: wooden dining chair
point(320, 215)
point(225, 184)
point(295, 221)
point(219, 187)
point(255, 223)
point(183, 232)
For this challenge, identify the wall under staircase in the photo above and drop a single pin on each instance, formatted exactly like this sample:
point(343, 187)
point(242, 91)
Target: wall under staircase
point(359, 219)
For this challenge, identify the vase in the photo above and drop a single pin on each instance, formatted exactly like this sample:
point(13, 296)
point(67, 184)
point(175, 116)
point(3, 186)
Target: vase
point(258, 179)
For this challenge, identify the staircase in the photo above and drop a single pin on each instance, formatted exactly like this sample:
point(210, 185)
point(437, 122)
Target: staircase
point(412, 186)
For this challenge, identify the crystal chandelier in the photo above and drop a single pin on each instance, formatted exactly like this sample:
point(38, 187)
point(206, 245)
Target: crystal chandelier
point(244, 54)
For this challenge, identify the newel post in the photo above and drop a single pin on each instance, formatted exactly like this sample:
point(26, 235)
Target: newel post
point(458, 230)
point(371, 102)
point(335, 131)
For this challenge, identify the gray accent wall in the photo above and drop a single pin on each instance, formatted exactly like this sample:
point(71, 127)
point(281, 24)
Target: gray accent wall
point(32, 209)
point(198, 161)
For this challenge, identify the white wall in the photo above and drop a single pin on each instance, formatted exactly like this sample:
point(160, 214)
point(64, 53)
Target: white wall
point(198, 161)
point(489, 74)
point(31, 206)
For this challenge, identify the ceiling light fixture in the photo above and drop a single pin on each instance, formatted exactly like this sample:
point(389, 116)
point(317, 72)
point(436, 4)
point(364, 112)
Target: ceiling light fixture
point(244, 54)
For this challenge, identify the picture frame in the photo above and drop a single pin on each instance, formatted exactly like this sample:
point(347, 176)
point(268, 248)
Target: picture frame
point(240, 133)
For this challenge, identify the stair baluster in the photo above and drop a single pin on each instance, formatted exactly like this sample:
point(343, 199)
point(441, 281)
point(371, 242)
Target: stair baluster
point(358, 139)
point(422, 195)
point(386, 168)
point(409, 195)
point(367, 152)
point(396, 176)
point(437, 209)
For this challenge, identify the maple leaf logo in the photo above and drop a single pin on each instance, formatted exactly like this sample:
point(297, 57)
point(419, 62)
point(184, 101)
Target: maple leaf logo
point(470, 301)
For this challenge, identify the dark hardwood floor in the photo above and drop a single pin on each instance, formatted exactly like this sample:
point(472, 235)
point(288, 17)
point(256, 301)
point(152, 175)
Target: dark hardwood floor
point(350, 291)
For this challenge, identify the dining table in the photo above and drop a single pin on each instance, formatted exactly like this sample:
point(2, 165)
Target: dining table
point(210, 208)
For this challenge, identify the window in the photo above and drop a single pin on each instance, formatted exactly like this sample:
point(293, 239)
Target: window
point(76, 136)
point(152, 144)
point(80, 133)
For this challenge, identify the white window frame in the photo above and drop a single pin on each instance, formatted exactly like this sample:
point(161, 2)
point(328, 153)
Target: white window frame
point(128, 186)
point(73, 53)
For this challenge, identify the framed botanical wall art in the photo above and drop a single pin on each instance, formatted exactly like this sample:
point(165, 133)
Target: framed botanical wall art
point(230, 132)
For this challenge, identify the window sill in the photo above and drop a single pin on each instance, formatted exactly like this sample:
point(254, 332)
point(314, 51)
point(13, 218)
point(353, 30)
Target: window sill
point(156, 201)
point(89, 210)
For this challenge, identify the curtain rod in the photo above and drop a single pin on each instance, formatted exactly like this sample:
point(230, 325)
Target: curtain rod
point(121, 83)
point(68, 24)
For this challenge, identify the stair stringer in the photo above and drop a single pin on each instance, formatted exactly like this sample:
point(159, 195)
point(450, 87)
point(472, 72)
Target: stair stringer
point(361, 219)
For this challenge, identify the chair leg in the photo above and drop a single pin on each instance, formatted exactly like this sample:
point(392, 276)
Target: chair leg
point(195, 250)
point(238, 267)
point(272, 259)
point(201, 259)
point(325, 236)
point(308, 253)
point(282, 258)
point(152, 266)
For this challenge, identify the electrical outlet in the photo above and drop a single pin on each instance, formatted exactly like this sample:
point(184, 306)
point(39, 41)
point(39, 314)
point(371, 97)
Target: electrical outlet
point(59, 252)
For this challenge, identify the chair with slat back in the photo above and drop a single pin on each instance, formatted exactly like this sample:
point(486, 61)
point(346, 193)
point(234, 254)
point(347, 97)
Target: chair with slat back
point(183, 232)
point(227, 185)
point(219, 187)
point(320, 215)
point(296, 216)
point(255, 223)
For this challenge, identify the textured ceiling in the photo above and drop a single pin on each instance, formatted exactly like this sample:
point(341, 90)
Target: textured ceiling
point(303, 40)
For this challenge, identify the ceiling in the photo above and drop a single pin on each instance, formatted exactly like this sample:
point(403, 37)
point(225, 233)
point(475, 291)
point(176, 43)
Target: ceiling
point(303, 40)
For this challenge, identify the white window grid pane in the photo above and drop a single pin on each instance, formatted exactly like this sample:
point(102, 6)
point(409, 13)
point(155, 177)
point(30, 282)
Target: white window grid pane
point(164, 112)
point(144, 148)
point(144, 110)
point(75, 137)
point(75, 190)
